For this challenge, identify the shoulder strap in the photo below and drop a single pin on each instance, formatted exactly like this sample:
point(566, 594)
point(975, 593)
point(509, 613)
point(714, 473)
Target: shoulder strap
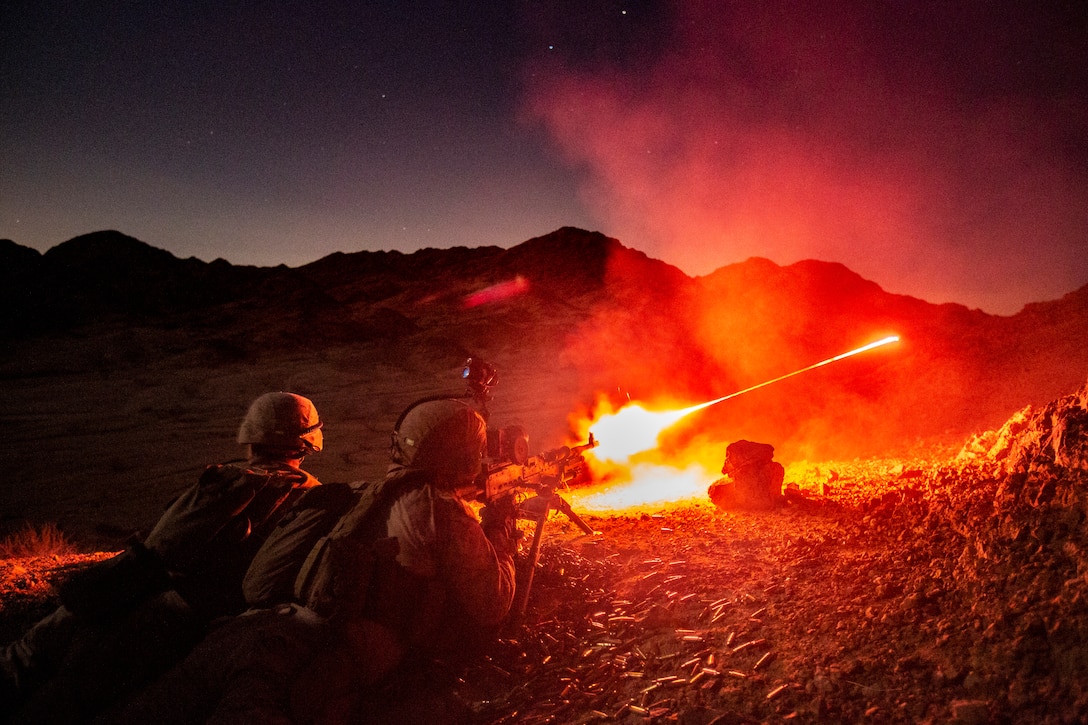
point(338, 554)
point(270, 578)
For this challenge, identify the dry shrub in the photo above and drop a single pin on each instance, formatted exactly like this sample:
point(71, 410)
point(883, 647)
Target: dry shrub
point(32, 541)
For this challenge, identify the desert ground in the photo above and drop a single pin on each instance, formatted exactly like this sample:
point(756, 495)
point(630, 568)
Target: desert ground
point(940, 579)
point(929, 589)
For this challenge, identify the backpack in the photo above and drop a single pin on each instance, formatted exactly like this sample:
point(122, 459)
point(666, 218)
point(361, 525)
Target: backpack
point(200, 546)
point(270, 578)
point(209, 521)
point(336, 575)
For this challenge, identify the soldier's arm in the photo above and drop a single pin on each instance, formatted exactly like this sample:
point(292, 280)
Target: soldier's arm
point(479, 573)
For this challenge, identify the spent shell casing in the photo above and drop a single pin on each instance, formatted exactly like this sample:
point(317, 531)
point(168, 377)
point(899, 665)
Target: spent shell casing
point(776, 692)
point(750, 643)
point(763, 661)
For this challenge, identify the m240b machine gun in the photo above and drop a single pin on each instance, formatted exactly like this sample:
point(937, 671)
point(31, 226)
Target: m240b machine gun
point(539, 477)
point(533, 482)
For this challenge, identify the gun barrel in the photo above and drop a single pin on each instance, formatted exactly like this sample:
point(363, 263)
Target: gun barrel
point(563, 453)
point(591, 443)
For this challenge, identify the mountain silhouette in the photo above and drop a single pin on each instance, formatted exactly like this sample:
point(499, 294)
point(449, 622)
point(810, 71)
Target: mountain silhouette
point(572, 317)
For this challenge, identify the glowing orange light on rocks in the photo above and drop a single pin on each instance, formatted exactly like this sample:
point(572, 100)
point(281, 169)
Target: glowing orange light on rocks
point(632, 431)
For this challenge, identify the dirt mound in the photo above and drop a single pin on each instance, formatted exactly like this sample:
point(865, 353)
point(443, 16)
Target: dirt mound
point(1054, 436)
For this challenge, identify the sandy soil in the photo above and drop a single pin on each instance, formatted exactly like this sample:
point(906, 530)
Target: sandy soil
point(912, 592)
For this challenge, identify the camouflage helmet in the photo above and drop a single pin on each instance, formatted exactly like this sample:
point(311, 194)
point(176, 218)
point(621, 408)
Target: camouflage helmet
point(282, 420)
point(442, 436)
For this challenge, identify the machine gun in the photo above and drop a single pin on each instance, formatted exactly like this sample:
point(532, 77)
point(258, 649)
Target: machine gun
point(540, 477)
point(552, 469)
point(509, 470)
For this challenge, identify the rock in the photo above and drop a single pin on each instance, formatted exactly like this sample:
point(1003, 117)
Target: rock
point(754, 479)
point(1055, 435)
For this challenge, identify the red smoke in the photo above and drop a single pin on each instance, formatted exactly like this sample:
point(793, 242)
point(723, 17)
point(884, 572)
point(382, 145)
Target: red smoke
point(838, 132)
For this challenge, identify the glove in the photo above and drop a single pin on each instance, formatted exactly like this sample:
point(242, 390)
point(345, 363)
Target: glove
point(498, 517)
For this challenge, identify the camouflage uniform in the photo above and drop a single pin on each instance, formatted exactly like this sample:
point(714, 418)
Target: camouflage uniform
point(440, 582)
point(124, 621)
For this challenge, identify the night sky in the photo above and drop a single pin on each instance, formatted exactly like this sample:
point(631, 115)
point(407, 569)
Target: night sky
point(939, 149)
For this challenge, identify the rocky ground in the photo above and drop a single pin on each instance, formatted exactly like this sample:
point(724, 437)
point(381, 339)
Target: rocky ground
point(907, 594)
point(942, 596)
point(935, 590)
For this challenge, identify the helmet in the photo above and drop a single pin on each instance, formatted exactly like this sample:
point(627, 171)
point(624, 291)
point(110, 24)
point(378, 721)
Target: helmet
point(442, 436)
point(282, 420)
